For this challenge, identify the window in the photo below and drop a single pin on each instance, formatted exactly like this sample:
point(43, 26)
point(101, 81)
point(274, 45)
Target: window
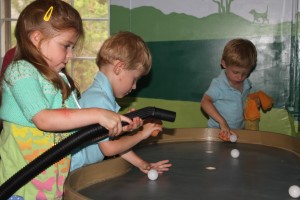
point(95, 16)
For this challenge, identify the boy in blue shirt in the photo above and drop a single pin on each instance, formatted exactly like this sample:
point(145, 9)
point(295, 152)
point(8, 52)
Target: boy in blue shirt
point(122, 60)
point(225, 98)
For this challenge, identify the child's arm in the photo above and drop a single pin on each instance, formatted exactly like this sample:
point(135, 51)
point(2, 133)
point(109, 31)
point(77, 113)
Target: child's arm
point(137, 161)
point(68, 119)
point(208, 106)
point(122, 144)
point(133, 158)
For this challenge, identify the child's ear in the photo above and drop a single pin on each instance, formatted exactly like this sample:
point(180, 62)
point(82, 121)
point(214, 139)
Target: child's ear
point(35, 38)
point(118, 66)
point(223, 64)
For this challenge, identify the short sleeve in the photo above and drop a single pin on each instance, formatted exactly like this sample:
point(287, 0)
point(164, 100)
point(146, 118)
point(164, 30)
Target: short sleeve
point(95, 99)
point(22, 80)
point(214, 90)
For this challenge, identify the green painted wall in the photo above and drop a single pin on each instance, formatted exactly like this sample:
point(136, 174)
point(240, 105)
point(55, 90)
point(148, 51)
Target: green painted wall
point(187, 50)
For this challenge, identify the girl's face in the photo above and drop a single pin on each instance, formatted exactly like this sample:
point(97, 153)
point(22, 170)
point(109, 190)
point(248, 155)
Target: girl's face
point(125, 81)
point(58, 50)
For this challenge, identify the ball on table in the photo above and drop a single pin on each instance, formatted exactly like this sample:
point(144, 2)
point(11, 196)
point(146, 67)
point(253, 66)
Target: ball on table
point(233, 138)
point(235, 153)
point(152, 174)
point(294, 191)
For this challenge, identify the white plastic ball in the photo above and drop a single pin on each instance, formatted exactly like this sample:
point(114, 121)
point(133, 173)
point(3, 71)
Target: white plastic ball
point(294, 191)
point(233, 138)
point(152, 174)
point(235, 153)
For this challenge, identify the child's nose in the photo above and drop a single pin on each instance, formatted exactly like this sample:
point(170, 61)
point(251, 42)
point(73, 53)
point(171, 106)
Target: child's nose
point(134, 86)
point(70, 53)
point(240, 76)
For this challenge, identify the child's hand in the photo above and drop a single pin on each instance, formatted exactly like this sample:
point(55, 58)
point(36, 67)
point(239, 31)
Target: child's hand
point(227, 137)
point(144, 167)
point(149, 128)
point(161, 166)
point(155, 133)
point(137, 122)
point(112, 122)
point(225, 129)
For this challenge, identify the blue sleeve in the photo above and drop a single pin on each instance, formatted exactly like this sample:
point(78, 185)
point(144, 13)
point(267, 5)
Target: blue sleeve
point(214, 90)
point(95, 99)
point(86, 156)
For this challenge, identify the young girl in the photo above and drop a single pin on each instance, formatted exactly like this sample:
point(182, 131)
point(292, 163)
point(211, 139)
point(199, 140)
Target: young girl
point(39, 106)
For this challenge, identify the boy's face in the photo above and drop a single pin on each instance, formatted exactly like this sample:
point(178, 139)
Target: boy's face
point(125, 81)
point(236, 75)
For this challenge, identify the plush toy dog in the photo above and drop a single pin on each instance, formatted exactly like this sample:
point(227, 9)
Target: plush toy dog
point(254, 102)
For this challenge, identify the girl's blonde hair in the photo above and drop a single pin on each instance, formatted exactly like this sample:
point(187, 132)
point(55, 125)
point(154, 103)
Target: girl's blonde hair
point(64, 17)
point(128, 48)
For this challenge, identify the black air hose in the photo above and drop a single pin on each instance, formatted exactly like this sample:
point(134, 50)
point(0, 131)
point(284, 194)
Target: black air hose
point(65, 147)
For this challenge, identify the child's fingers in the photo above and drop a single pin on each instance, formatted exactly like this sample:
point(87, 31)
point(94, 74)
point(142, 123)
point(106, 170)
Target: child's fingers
point(155, 133)
point(126, 119)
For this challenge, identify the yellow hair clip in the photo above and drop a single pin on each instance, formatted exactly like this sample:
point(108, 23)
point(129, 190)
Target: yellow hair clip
point(48, 14)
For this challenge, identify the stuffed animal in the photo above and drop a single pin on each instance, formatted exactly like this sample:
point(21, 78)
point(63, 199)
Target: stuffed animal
point(254, 102)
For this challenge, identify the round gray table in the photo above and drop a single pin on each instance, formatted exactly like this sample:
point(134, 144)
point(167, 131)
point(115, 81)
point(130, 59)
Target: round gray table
point(202, 168)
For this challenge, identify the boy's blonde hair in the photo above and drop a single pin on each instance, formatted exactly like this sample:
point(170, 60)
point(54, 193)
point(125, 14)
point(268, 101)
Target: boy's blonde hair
point(240, 52)
point(128, 48)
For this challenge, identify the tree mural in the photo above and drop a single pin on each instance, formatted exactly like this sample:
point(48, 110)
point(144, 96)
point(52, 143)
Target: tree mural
point(223, 5)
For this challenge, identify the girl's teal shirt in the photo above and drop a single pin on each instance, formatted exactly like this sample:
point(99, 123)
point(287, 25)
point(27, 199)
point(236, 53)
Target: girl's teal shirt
point(25, 92)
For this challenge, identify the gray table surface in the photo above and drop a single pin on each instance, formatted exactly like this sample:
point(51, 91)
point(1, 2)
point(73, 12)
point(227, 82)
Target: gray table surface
point(259, 173)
